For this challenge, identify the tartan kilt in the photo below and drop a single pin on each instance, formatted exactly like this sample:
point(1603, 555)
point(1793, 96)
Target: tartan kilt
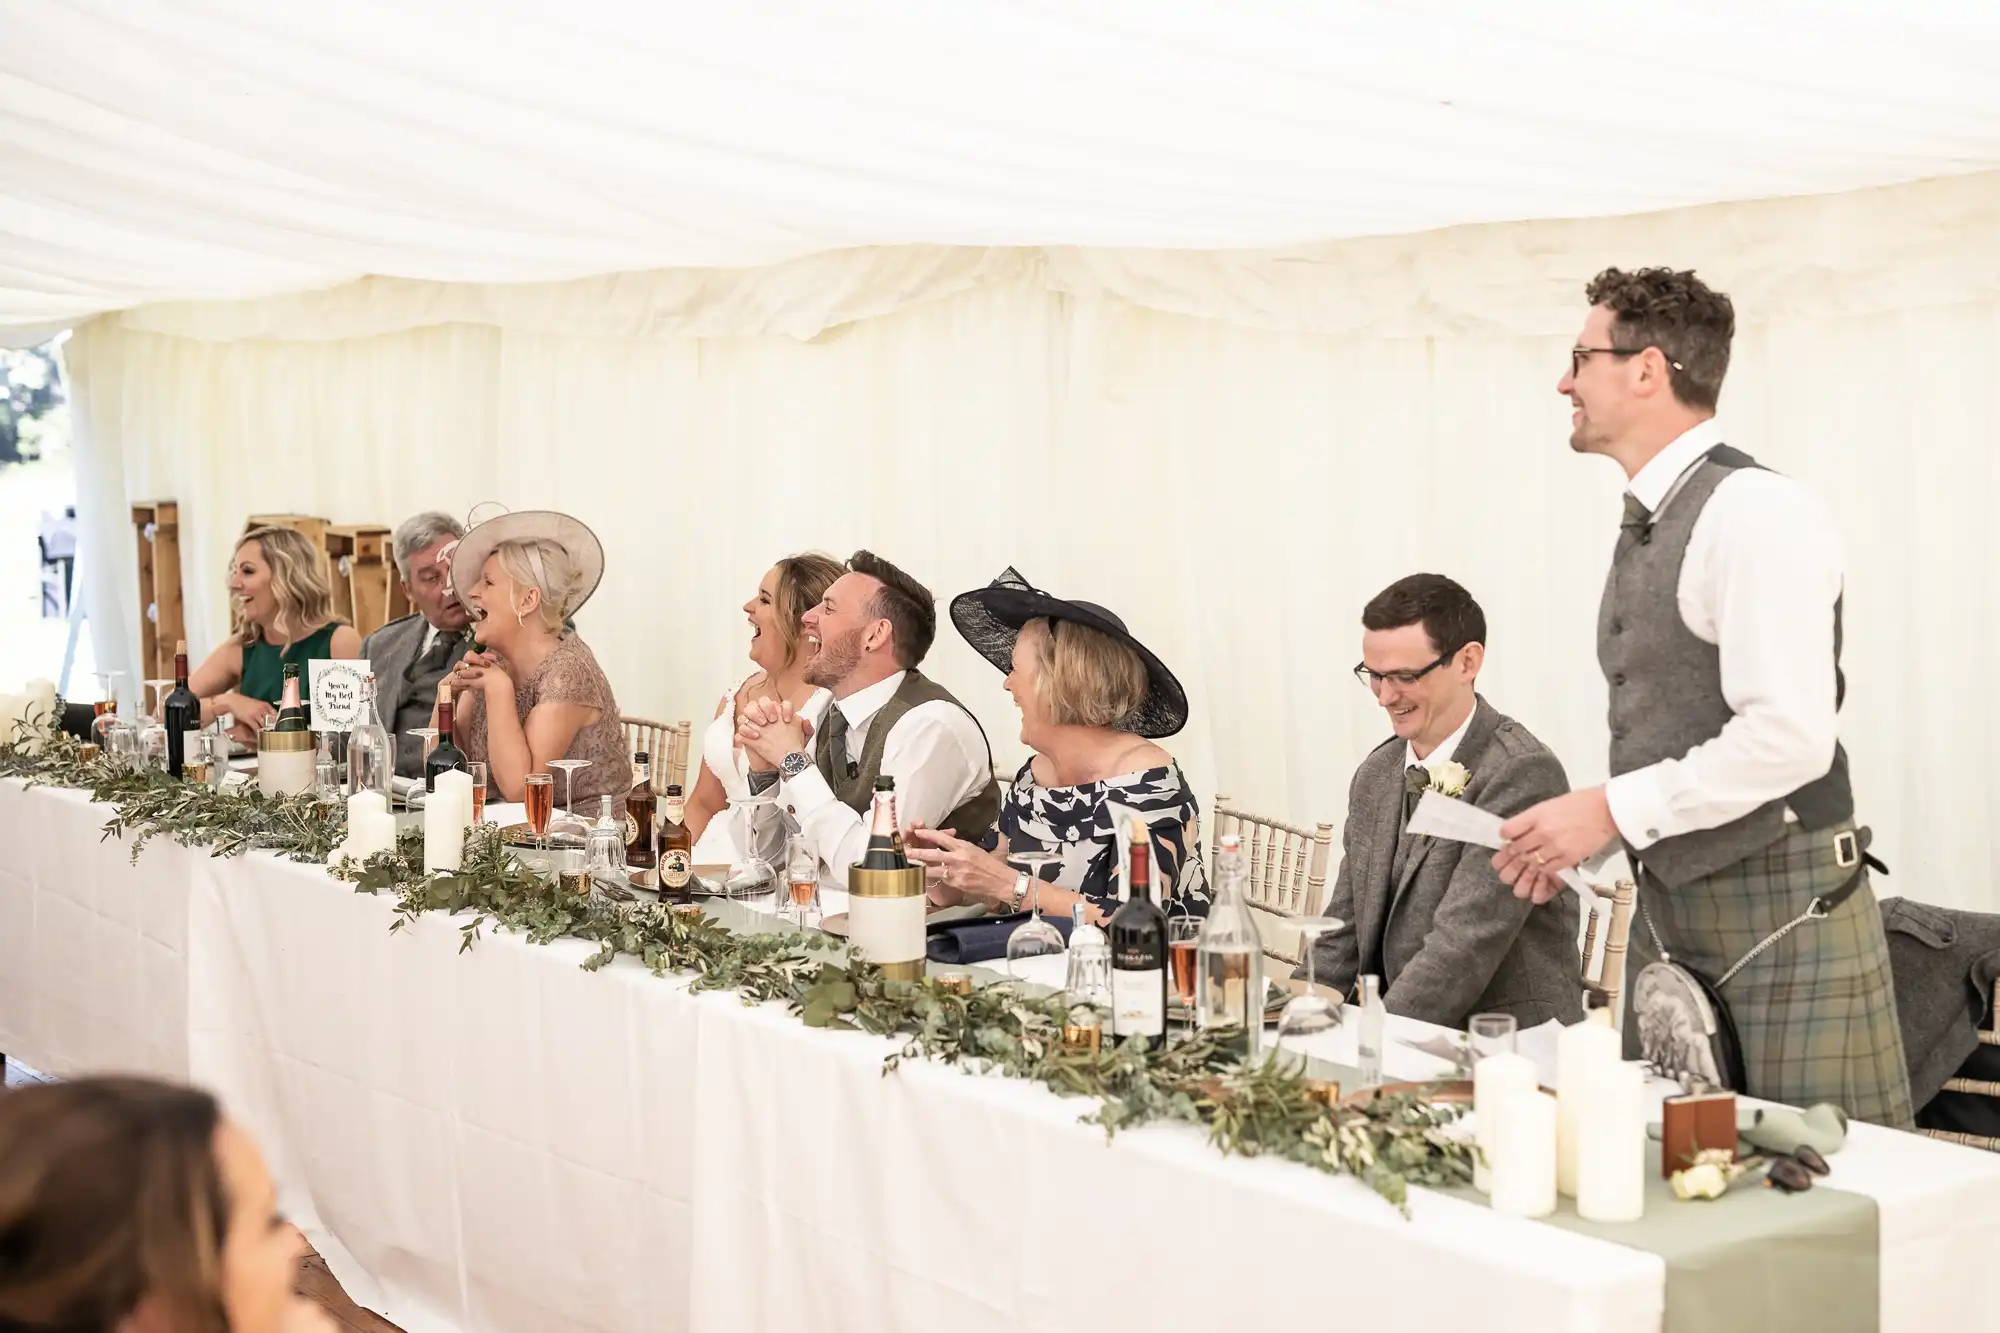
point(1816, 1012)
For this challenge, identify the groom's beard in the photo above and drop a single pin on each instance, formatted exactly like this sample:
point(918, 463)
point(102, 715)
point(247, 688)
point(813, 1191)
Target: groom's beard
point(835, 660)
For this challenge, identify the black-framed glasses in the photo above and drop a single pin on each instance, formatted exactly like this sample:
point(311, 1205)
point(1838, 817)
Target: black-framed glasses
point(1576, 355)
point(1373, 679)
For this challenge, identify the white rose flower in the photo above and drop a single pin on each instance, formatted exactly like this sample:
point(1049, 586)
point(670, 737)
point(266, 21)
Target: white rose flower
point(1707, 1181)
point(1450, 779)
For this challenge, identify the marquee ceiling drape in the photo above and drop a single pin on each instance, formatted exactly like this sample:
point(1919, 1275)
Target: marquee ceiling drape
point(200, 149)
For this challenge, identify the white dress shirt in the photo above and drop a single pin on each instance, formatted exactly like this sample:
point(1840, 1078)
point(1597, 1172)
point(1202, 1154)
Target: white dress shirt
point(1760, 578)
point(1446, 748)
point(935, 752)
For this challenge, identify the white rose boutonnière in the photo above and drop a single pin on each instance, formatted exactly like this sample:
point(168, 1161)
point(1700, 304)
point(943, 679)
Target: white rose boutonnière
point(1449, 779)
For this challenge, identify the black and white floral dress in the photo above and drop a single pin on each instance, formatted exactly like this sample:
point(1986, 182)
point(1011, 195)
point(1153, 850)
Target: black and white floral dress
point(1080, 824)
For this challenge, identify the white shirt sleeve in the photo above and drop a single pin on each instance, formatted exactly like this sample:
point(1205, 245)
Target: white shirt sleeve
point(1760, 579)
point(938, 759)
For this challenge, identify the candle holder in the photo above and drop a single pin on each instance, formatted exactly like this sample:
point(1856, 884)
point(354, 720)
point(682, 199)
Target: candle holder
point(576, 882)
point(956, 983)
point(1088, 1036)
point(1324, 1091)
point(88, 752)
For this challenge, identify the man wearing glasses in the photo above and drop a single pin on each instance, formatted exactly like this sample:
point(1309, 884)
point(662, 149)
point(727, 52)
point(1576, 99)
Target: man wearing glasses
point(1719, 634)
point(1431, 917)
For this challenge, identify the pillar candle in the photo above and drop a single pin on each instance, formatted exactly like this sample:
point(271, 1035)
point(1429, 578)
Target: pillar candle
point(372, 831)
point(1582, 1049)
point(1495, 1077)
point(1611, 1145)
point(446, 815)
point(1524, 1154)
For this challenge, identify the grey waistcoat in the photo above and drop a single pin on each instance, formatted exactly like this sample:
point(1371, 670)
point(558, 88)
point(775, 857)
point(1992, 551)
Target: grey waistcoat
point(1666, 685)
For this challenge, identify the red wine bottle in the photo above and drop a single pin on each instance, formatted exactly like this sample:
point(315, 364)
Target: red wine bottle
point(1138, 932)
point(445, 756)
point(181, 713)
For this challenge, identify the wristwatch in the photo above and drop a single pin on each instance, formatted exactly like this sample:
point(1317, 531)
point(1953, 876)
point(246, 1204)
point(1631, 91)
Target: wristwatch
point(1020, 889)
point(794, 764)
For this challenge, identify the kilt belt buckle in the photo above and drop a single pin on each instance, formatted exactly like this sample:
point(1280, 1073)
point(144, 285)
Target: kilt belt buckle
point(1846, 849)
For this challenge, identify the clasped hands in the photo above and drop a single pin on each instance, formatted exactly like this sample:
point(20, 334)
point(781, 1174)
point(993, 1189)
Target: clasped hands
point(768, 730)
point(1544, 840)
point(482, 672)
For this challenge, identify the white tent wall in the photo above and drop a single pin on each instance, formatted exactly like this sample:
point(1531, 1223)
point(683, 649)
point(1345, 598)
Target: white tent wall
point(1234, 452)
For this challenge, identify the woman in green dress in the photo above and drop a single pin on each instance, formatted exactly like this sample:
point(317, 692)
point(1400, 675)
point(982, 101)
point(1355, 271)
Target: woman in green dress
point(281, 612)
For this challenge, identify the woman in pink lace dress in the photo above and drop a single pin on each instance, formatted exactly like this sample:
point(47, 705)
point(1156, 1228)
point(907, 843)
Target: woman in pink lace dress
point(536, 693)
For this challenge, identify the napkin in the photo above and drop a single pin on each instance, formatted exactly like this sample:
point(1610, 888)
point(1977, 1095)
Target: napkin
point(980, 940)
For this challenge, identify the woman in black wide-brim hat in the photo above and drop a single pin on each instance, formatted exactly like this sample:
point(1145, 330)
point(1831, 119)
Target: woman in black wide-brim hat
point(1092, 698)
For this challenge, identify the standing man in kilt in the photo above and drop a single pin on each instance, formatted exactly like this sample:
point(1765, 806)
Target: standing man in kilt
point(1719, 635)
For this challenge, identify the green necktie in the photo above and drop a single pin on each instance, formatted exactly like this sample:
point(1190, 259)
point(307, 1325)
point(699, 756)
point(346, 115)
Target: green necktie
point(1637, 516)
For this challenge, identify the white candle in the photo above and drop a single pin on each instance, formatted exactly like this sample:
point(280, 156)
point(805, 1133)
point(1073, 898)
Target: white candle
point(372, 831)
point(1611, 1145)
point(446, 815)
point(1493, 1078)
point(1524, 1154)
point(1582, 1050)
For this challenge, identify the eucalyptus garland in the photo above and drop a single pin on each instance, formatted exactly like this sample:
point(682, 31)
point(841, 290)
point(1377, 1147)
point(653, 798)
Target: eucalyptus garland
point(1250, 1109)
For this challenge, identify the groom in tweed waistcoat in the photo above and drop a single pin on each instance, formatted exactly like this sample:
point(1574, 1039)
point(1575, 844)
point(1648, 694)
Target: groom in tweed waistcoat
point(1719, 635)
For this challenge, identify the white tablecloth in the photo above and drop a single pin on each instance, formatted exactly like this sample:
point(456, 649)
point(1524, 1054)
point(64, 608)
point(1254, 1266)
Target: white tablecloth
point(497, 1140)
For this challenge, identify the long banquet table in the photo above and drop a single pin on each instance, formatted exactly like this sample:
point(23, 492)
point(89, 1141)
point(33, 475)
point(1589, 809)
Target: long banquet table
point(497, 1140)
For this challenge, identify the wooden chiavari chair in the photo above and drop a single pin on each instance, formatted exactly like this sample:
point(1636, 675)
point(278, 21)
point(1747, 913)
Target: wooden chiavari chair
point(1609, 975)
point(1975, 1087)
point(1286, 871)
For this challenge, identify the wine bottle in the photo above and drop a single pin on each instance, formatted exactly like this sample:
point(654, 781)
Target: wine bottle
point(446, 756)
point(181, 713)
point(1138, 932)
point(1229, 956)
point(640, 849)
point(885, 835)
point(291, 712)
point(676, 844)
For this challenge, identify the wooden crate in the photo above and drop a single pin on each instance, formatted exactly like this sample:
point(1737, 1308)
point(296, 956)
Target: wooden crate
point(162, 618)
point(363, 574)
point(312, 529)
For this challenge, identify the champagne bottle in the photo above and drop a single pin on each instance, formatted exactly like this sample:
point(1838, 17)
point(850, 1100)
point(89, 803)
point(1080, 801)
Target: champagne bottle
point(676, 844)
point(640, 849)
point(1138, 932)
point(885, 835)
point(446, 756)
point(181, 713)
point(1229, 956)
point(291, 712)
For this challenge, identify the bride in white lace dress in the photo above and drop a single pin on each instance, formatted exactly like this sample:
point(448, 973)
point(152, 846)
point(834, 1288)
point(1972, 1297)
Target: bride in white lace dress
point(793, 587)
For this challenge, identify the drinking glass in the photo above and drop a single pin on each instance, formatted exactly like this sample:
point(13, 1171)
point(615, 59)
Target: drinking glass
point(750, 870)
point(1309, 1013)
point(802, 881)
point(420, 793)
point(540, 796)
point(159, 689)
point(1492, 1034)
point(194, 756)
point(569, 826)
point(1033, 938)
point(121, 745)
point(1182, 934)
point(153, 743)
point(476, 770)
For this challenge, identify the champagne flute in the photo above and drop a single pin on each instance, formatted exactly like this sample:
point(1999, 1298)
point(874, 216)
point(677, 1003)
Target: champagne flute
point(476, 770)
point(540, 796)
point(570, 826)
point(1182, 934)
point(1033, 938)
point(802, 879)
point(1309, 1013)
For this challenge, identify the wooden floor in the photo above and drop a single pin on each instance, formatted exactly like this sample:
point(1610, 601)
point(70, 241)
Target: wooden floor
point(316, 1282)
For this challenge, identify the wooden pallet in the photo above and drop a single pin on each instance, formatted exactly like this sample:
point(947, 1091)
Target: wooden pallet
point(162, 617)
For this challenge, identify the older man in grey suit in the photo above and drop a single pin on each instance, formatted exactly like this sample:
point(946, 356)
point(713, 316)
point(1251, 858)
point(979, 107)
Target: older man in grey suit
point(411, 655)
point(1431, 917)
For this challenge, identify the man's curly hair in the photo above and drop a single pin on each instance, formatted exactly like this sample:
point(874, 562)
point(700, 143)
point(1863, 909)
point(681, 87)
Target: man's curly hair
point(1679, 314)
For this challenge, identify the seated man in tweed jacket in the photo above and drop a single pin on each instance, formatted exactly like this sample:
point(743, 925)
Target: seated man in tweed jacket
point(1431, 917)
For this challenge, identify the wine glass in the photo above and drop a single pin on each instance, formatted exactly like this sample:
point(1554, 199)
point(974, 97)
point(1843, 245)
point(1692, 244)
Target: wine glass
point(1033, 938)
point(539, 793)
point(1309, 1013)
point(420, 793)
point(159, 689)
point(569, 826)
point(750, 869)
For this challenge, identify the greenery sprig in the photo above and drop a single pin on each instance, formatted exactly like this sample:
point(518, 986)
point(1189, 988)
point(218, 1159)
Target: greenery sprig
point(1248, 1109)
